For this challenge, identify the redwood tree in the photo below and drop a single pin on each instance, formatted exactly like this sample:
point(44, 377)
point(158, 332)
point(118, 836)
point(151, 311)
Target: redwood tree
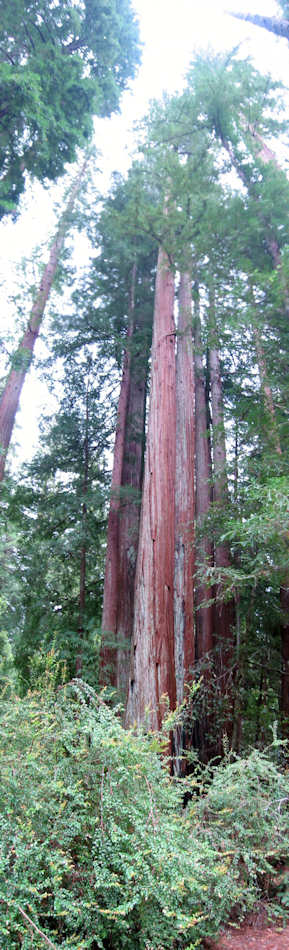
point(204, 613)
point(9, 402)
point(184, 493)
point(111, 583)
point(129, 511)
point(152, 675)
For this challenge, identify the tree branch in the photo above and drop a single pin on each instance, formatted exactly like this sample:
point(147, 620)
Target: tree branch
point(271, 23)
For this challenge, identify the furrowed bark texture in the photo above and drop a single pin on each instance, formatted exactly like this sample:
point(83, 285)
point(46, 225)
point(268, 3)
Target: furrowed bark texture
point(224, 612)
point(129, 516)
point(184, 495)
point(9, 402)
point(203, 594)
point(275, 25)
point(108, 659)
point(152, 670)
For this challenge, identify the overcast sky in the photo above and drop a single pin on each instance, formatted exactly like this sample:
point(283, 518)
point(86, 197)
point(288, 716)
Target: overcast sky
point(171, 30)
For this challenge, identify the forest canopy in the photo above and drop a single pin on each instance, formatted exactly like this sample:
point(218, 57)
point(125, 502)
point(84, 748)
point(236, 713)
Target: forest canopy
point(61, 63)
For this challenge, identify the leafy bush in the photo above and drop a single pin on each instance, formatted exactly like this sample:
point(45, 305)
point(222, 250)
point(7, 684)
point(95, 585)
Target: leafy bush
point(244, 815)
point(96, 850)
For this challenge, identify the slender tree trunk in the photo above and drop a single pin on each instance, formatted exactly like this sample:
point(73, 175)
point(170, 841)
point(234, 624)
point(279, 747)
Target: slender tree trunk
point(129, 516)
point(184, 496)
point(204, 551)
point(152, 676)
point(9, 402)
point(203, 595)
point(184, 509)
point(224, 610)
point(275, 25)
point(224, 617)
point(108, 657)
point(82, 578)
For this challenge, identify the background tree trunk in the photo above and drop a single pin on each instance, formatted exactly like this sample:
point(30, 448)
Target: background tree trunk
point(108, 657)
point(9, 402)
point(184, 497)
point(203, 595)
point(224, 609)
point(129, 515)
point(184, 510)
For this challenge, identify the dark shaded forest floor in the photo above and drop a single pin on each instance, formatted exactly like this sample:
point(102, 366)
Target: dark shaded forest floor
point(256, 933)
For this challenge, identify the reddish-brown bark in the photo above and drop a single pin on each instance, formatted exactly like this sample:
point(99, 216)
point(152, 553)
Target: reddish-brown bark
point(129, 515)
point(203, 594)
point(107, 669)
point(184, 494)
point(224, 613)
point(152, 671)
point(224, 609)
point(11, 395)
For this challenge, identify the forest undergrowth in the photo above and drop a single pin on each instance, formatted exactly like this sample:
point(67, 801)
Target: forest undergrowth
point(97, 848)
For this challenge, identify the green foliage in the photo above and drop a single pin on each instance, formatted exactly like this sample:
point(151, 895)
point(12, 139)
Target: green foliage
point(60, 63)
point(95, 847)
point(92, 832)
point(57, 520)
point(244, 815)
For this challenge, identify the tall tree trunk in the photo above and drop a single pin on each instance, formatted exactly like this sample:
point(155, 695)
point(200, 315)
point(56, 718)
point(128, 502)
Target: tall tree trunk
point(204, 549)
point(275, 25)
point(203, 595)
point(108, 657)
point(22, 360)
point(184, 495)
point(129, 515)
point(82, 578)
point(152, 675)
point(224, 609)
point(184, 509)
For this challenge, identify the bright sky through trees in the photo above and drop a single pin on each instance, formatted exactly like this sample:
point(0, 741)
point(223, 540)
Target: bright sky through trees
point(170, 33)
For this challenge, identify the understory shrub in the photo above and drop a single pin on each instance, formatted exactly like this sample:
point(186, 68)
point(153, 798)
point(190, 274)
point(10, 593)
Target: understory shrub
point(243, 812)
point(96, 850)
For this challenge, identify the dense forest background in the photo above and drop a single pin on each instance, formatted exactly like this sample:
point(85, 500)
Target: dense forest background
point(144, 644)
